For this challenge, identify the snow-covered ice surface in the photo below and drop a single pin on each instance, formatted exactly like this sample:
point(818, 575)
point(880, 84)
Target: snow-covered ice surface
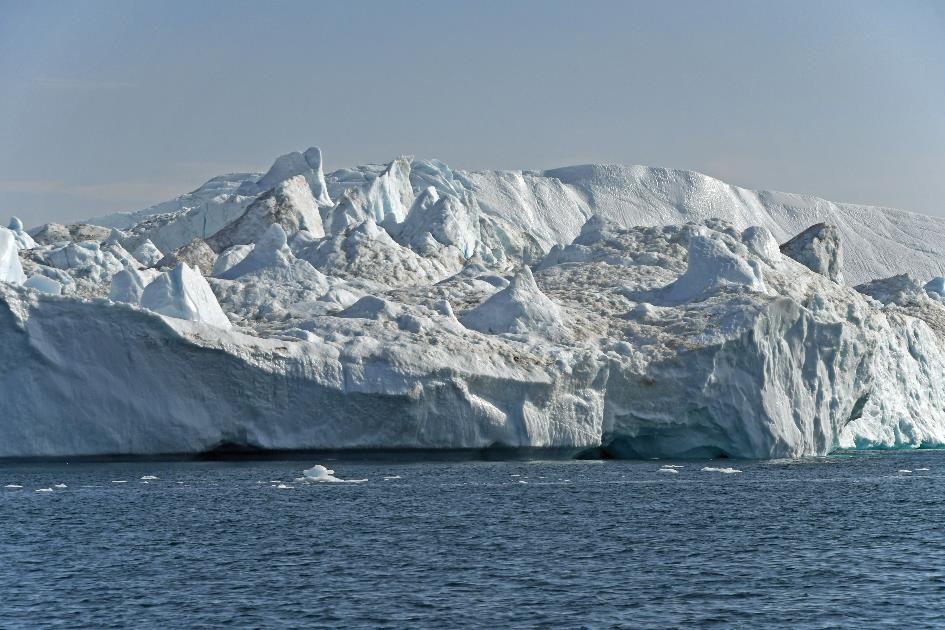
point(634, 311)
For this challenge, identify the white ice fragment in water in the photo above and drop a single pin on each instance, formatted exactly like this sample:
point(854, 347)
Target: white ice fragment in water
point(12, 486)
point(282, 486)
point(921, 469)
point(669, 470)
point(148, 478)
point(322, 474)
point(44, 490)
point(727, 471)
point(391, 477)
point(60, 485)
point(119, 481)
point(671, 466)
point(904, 472)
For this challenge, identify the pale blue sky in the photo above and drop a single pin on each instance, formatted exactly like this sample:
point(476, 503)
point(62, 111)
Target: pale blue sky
point(108, 106)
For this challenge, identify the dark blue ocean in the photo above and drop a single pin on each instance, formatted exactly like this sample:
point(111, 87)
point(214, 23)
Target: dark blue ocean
point(849, 540)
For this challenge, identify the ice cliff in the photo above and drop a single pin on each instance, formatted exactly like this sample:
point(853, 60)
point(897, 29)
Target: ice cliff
point(621, 310)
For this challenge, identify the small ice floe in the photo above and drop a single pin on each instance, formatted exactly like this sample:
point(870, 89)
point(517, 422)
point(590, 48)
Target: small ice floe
point(60, 485)
point(12, 486)
point(725, 471)
point(326, 475)
point(282, 486)
point(671, 471)
point(921, 469)
point(392, 477)
point(672, 466)
point(522, 482)
point(149, 478)
point(119, 481)
point(44, 490)
point(275, 481)
point(904, 472)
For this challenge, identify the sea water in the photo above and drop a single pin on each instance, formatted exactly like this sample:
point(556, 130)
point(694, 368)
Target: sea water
point(851, 539)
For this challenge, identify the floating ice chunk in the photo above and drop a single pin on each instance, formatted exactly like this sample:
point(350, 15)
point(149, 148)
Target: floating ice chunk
point(43, 284)
point(921, 469)
point(726, 471)
point(148, 478)
point(391, 478)
point(904, 472)
point(672, 466)
point(44, 490)
point(10, 268)
point(322, 474)
point(60, 485)
point(119, 481)
point(12, 486)
point(672, 471)
point(282, 486)
point(183, 293)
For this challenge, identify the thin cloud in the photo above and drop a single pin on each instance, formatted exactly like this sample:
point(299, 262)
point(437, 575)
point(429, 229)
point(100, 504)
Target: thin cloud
point(133, 193)
point(74, 83)
point(30, 186)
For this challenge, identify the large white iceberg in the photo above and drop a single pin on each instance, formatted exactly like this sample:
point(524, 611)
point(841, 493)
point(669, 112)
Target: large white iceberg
point(594, 308)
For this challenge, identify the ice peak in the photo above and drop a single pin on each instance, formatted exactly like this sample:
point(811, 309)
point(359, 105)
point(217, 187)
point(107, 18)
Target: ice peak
point(308, 165)
point(521, 308)
point(818, 248)
point(10, 268)
point(183, 293)
point(714, 263)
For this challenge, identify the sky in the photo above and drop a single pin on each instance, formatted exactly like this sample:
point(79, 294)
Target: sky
point(112, 106)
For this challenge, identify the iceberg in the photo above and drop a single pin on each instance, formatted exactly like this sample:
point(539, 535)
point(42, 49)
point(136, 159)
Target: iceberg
point(621, 311)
